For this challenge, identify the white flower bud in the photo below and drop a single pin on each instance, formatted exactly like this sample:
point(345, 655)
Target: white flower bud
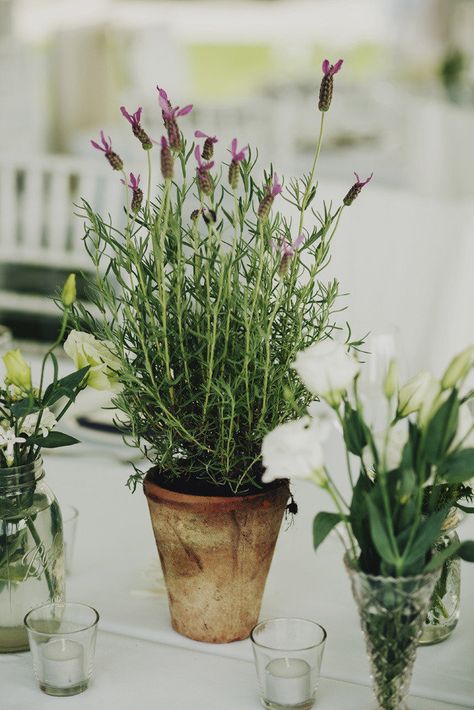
point(18, 372)
point(390, 384)
point(412, 394)
point(458, 368)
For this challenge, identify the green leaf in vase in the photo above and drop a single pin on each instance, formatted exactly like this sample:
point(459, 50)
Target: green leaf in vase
point(65, 387)
point(458, 467)
point(323, 524)
point(54, 440)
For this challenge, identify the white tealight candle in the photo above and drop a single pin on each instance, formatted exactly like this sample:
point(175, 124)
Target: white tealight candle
point(63, 663)
point(288, 681)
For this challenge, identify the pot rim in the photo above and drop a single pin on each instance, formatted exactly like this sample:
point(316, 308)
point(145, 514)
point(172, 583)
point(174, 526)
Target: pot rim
point(178, 497)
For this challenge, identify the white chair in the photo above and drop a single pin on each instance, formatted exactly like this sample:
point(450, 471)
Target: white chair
point(38, 226)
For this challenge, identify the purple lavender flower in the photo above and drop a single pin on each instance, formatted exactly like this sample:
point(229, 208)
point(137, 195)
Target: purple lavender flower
point(271, 191)
point(106, 147)
point(138, 132)
point(170, 115)
point(356, 189)
point(202, 173)
point(208, 147)
point(287, 252)
point(327, 83)
point(237, 157)
point(137, 197)
point(166, 160)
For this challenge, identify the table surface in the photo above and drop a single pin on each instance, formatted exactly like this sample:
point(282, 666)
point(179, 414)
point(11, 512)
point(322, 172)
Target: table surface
point(116, 570)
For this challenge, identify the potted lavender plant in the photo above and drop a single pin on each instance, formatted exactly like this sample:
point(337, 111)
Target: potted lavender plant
point(206, 296)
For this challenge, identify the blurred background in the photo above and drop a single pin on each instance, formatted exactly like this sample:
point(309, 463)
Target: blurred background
point(403, 108)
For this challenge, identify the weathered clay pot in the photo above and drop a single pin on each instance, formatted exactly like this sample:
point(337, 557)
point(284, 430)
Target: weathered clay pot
point(215, 553)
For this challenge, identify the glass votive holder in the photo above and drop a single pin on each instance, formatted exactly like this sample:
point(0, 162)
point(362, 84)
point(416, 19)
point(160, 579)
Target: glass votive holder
point(288, 655)
point(62, 640)
point(70, 516)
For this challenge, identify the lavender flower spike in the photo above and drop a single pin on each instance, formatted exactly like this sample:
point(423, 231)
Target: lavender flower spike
point(137, 197)
point(166, 160)
point(170, 115)
point(327, 83)
point(106, 147)
point(138, 132)
point(356, 189)
point(202, 173)
point(288, 251)
point(208, 147)
point(234, 170)
point(271, 191)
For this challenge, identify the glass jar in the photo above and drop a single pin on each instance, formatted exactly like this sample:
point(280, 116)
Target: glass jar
point(31, 550)
point(443, 614)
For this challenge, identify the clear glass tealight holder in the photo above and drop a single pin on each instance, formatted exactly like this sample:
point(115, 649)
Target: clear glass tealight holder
point(288, 655)
point(62, 640)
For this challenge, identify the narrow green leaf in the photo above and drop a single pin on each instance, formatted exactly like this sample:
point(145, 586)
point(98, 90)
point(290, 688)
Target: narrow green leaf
point(23, 407)
point(380, 535)
point(354, 431)
point(322, 525)
point(442, 428)
point(458, 467)
point(54, 440)
point(424, 538)
point(466, 551)
point(464, 508)
point(65, 387)
point(440, 558)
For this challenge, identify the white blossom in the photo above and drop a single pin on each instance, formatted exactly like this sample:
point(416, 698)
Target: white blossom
point(458, 368)
point(47, 422)
point(293, 450)
point(8, 439)
point(326, 369)
point(413, 393)
point(389, 444)
point(84, 349)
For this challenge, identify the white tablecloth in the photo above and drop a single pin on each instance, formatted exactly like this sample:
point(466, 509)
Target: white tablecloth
point(140, 658)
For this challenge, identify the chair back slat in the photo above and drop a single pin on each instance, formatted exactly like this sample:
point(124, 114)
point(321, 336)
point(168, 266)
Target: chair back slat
point(39, 197)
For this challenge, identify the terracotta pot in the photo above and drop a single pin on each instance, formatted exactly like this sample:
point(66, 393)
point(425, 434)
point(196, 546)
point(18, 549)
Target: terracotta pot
point(215, 553)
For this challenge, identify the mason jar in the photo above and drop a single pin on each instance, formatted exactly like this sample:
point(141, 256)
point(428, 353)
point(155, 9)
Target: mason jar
point(443, 614)
point(31, 550)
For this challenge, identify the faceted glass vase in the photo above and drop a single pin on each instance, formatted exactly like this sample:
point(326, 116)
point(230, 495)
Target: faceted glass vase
point(392, 612)
point(443, 614)
point(31, 550)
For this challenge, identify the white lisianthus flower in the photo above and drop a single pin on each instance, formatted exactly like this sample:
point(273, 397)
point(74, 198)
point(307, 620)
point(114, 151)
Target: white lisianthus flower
point(84, 349)
point(293, 450)
point(413, 393)
point(326, 369)
point(18, 372)
point(47, 422)
point(389, 444)
point(458, 368)
point(324, 417)
point(433, 398)
point(8, 439)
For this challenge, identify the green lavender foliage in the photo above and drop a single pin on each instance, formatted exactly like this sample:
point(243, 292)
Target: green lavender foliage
point(204, 326)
